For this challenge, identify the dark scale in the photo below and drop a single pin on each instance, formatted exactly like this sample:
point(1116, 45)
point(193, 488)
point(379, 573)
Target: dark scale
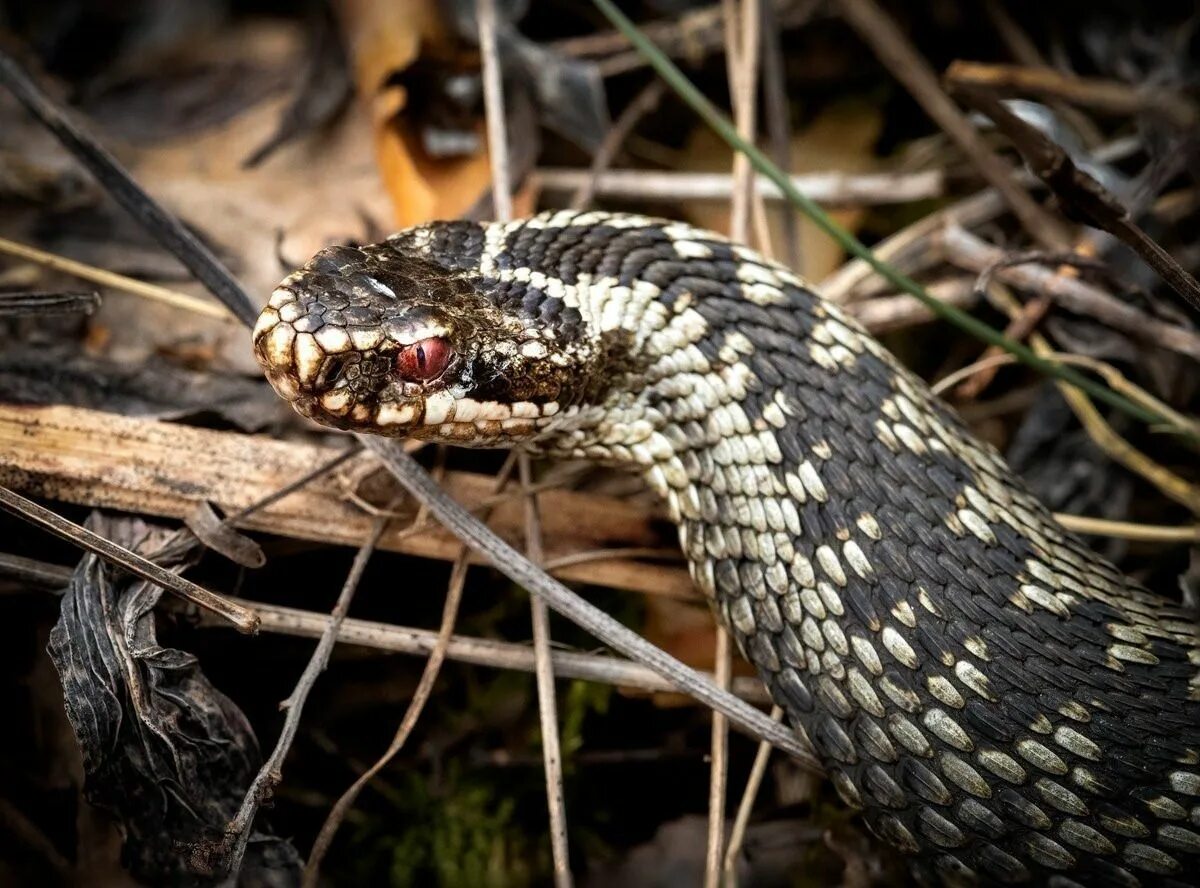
point(996, 699)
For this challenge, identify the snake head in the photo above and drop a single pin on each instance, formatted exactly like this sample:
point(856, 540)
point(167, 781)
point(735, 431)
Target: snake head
point(383, 340)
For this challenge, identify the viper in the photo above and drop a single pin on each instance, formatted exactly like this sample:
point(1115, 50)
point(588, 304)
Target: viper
point(995, 698)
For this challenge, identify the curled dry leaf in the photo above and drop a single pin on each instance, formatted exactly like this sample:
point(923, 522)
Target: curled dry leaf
point(164, 752)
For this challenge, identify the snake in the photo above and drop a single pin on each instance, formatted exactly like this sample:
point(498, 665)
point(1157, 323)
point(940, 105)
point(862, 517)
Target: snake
point(998, 701)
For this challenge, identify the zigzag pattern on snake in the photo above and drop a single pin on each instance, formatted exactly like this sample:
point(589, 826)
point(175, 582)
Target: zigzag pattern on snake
point(994, 697)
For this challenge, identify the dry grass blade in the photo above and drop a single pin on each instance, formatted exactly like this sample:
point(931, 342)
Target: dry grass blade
point(114, 281)
point(547, 702)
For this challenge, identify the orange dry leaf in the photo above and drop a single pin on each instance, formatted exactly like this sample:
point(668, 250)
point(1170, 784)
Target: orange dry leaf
point(384, 38)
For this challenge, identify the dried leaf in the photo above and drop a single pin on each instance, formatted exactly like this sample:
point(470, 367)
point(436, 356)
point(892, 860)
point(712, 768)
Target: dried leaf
point(208, 527)
point(164, 752)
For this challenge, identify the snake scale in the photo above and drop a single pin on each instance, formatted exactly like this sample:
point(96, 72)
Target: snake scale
point(995, 698)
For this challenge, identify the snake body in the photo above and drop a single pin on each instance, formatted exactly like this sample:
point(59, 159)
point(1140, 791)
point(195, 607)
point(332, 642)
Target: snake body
point(994, 697)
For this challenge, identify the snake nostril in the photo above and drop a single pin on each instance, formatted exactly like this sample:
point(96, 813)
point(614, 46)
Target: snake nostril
point(332, 370)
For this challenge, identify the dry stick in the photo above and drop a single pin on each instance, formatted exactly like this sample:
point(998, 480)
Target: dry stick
point(493, 106)
point(246, 620)
point(718, 772)
point(908, 66)
point(643, 103)
point(832, 189)
point(165, 228)
point(113, 280)
point(599, 668)
point(433, 666)
point(742, 53)
point(269, 776)
point(1109, 96)
point(547, 704)
point(779, 125)
point(967, 251)
point(737, 833)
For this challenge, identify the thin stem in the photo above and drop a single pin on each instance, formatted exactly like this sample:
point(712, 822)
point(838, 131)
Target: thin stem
point(269, 776)
point(547, 702)
point(245, 620)
point(737, 832)
point(493, 106)
point(718, 772)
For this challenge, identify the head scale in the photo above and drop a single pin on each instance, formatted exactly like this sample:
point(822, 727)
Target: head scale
point(385, 339)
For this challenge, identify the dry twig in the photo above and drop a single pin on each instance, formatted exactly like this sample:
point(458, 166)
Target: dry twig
point(1079, 193)
point(832, 189)
point(269, 776)
point(967, 251)
point(1105, 96)
point(244, 619)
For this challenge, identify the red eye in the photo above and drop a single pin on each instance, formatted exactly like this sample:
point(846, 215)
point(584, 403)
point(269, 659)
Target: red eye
point(424, 360)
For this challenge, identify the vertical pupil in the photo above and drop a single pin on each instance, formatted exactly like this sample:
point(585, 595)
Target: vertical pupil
point(421, 356)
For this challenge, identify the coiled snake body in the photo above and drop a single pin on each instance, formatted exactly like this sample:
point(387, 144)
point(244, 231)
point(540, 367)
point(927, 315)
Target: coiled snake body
point(996, 698)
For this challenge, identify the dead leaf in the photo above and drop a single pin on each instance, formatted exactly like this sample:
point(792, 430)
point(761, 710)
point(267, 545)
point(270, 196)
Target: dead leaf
point(164, 752)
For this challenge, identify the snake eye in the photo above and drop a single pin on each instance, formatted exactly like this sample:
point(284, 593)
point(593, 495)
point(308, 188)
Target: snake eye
point(424, 360)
